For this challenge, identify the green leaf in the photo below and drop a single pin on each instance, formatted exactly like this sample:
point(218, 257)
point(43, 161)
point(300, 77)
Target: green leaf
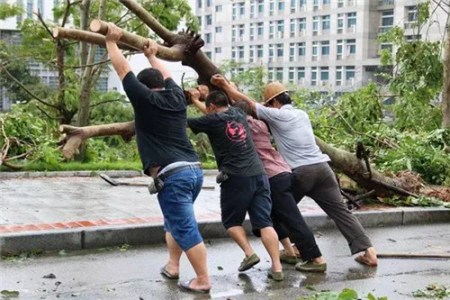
point(348, 294)
point(7, 293)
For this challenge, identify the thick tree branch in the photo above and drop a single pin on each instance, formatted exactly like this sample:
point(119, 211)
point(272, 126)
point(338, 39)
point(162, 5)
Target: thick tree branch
point(150, 21)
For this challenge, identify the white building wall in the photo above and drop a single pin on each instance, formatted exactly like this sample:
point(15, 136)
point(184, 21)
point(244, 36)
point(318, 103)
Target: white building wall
point(358, 67)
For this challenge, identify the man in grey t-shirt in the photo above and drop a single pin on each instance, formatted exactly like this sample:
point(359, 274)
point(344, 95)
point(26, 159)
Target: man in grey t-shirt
point(312, 176)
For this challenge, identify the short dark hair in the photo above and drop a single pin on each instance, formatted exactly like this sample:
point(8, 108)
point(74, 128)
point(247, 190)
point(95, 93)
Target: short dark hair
point(217, 98)
point(151, 78)
point(284, 98)
point(242, 104)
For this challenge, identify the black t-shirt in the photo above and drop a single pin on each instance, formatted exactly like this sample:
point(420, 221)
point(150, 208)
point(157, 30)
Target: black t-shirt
point(231, 141)
point(160, 121)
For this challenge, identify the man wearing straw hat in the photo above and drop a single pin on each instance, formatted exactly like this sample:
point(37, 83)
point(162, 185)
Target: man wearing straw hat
point(312, 176)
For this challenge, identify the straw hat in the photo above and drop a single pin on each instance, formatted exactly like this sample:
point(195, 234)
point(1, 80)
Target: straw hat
point(273, 89)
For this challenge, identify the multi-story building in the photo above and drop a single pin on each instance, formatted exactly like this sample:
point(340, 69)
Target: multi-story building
point(320, 44)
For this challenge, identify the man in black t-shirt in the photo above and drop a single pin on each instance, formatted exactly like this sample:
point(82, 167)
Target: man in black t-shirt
point(167, 155)
point(246, 187)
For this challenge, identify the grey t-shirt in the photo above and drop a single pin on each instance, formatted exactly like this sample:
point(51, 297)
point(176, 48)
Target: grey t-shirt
point(293, 134)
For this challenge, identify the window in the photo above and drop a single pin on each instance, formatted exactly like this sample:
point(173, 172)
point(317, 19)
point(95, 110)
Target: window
point(252, 10)
point(259, 51)
point(234, 10)
point(293, 6)
point(40, 5)
point(208, 19)
point(315, 25)
point(271, 53)
point(242, 9)
point(387, 21)
point(325, 23)
point(233, 33)
point(241, 31)
point(270, 74)
point(251, 53)
point(208, 3)
point(339, 49)
point(411, 13)
point(302, 25)
point(218, 29)
point(315, 51)
point(280, 50)
point(252, 31)
point(351, 20)
point(349, 72)
point(351, 46)
point(260, 26)
point(218, 8)
point(271, 7)
point(280, 28)
point(208, 38)
point(241, 51)
point(279, 74)
point(314, 76)
point(326, 2)
point(208, 53)
point(291, 52)
point(325, 48)
point(271, 29)
point(316, 5)
point(340, 3)
point(340, 23)
point(199, 3)
point(233, 53)
point(199, 21)
point(218, 50)
point(281, 7)
point(324, 76)
point(292, 26)
point(260, 7)
point(301, 73)
point(338, 76)
point(301, 49)
point(291, 74)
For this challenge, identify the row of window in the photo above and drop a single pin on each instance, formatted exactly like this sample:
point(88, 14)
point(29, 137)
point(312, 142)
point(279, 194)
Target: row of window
point(344, 48)
point(318, 76)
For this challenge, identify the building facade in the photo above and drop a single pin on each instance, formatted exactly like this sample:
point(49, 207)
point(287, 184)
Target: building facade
point(327, 45)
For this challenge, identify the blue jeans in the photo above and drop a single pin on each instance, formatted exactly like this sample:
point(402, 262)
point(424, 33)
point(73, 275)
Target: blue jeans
point(176, 200)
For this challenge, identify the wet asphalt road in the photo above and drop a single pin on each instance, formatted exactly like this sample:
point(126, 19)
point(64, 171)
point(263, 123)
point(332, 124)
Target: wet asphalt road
point(133, 273)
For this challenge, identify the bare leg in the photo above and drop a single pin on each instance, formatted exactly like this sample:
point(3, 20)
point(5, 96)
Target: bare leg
point(368, 258)
point(173, 266)
point(270, 240)
point(287, 246)
point(197, 258)
point(238, 234)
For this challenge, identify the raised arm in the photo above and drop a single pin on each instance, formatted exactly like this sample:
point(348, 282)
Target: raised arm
point(118, 60)
point(233, 93)
point(150, 50)
point(195, 96)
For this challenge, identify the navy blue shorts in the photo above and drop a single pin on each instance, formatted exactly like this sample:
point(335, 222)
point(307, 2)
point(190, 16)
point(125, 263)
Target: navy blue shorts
point(242, 194)
point(176, 200)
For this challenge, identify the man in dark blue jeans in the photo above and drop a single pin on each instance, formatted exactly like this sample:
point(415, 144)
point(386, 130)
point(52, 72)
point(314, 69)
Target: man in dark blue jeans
point(167, 155)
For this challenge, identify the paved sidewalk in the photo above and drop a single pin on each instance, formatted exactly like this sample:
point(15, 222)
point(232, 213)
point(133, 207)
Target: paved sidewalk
point(60, 211)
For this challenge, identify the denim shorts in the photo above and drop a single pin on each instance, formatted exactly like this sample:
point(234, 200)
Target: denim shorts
point(176, 200)
point(242, 194)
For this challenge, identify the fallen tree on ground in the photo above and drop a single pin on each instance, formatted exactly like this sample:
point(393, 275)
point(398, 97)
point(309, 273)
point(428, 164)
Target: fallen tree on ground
point(185, 47)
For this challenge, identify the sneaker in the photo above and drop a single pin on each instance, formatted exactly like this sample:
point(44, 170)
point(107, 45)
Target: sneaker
point(309, 266)
point(288, 259)
point(248, 262)
point(277, 276)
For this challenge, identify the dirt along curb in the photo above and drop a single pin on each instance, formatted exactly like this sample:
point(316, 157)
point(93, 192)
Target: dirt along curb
point(139, 234)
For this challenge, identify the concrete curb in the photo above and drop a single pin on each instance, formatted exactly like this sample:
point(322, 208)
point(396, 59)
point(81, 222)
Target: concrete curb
point(98, 237)
point(93, 173)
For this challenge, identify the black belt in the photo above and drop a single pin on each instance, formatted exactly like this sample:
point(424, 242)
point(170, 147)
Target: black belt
point(171, 172)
